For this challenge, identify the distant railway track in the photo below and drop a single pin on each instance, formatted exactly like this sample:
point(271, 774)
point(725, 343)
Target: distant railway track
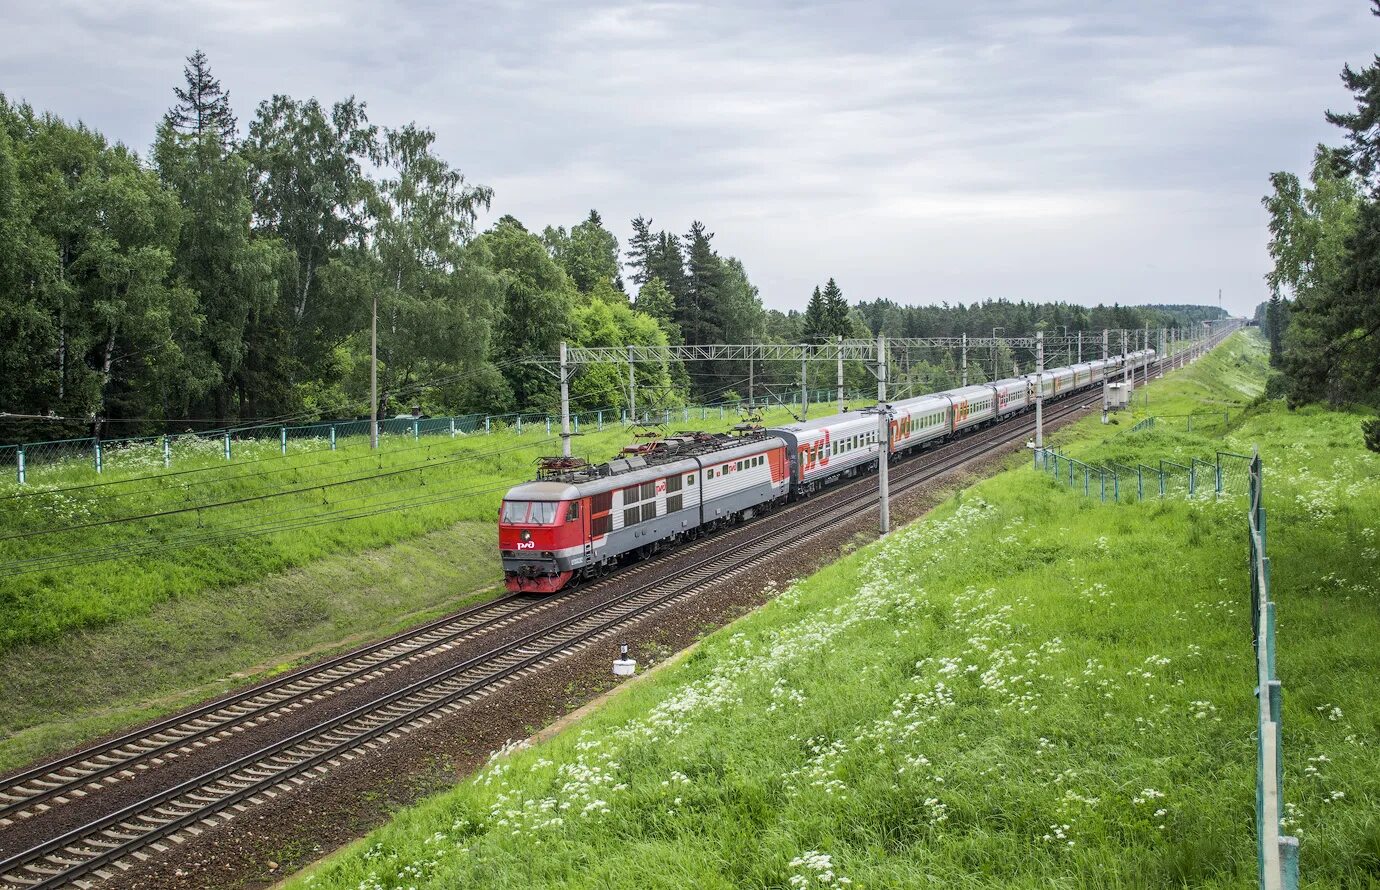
point(112, 841)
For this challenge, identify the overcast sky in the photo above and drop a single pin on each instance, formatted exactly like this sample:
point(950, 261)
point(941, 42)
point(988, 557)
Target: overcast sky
point(917, 151)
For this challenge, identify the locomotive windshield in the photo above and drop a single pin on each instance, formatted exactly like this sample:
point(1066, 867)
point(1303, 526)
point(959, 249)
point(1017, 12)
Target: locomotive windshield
point(529, 512)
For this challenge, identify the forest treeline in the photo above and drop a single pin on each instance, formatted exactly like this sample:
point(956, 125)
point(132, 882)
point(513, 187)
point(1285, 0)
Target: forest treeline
point(1323, 316)
point(229, 276)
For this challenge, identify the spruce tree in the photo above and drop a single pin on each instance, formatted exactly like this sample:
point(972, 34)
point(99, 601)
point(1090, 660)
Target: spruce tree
point(203, 106)
point(835, 310)
point(667, 262)
point(816, 327)
point(640, 248)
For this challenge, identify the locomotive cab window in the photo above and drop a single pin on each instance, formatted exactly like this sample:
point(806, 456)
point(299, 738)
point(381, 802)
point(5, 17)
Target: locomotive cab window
point(572, 511)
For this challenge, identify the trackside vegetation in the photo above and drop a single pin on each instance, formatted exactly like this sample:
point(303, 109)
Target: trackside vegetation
point(311, 552)
point(1027, 688)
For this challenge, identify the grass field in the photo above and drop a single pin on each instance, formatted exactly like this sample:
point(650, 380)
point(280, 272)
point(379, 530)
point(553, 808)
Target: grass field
point(80, 551)
point(1027, 688)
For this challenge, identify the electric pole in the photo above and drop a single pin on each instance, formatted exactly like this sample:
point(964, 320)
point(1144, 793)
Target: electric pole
point(883, 437)
point(374, 375)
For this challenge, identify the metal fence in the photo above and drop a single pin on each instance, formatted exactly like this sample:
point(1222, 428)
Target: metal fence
point(1230, 473)
point(1225, 475)
point(1277, 854)
point(1203, 421)
point(20, 462)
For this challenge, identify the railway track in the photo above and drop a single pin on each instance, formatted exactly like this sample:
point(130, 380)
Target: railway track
point(91, 770)
point(176, 814)
point(117, 840)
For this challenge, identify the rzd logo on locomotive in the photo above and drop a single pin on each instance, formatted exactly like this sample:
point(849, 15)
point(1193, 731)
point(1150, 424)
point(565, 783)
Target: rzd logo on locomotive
point(527, 545)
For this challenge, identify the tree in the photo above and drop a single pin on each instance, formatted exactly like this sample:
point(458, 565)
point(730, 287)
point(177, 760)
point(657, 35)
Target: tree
point(202, 108)
point(310, 189)
point(232, 272)
point(435, 308)
point(655, 300)
point(640, 248)
point(816, 322)
point(835, 309)
point(589, 254)
point(537, 300)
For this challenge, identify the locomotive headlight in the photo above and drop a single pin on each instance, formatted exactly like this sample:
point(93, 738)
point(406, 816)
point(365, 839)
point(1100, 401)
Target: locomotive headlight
point(525, 535)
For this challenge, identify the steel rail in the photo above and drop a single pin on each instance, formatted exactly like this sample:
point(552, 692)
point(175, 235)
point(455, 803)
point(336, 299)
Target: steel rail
point(88, 769)
point(82, 854)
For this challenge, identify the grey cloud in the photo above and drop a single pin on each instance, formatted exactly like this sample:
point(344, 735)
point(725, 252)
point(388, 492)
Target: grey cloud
point(919, 151)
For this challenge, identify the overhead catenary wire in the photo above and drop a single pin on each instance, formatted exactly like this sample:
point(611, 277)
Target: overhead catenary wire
point(196, 508)
point(224, 534)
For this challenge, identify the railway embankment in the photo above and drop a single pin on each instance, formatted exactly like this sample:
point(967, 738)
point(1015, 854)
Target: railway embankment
point(239, 570)
point(1026, 687)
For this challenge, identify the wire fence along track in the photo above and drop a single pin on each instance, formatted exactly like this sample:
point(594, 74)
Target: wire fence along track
point(212, 797)
point(1203, 421)
point(98, 455)
point(1277, 853)
point(1225, 475)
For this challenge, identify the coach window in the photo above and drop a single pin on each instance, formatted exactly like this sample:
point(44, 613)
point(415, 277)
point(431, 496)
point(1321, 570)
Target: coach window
point(709, 474)
point(690, 480)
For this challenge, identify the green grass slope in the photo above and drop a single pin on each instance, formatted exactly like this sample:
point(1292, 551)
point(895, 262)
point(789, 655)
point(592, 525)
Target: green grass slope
point(437, 482)
point(1027, 688)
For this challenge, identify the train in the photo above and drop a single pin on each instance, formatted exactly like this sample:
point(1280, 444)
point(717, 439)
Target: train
point(577, 521)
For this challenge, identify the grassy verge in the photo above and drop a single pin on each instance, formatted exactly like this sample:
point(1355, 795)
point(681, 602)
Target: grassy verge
point(94, 681)
point(1028, 688)
point(207, 530)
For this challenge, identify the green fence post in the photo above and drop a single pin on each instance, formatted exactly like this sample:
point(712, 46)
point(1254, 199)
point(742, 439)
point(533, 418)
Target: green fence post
point(1161, 483)
point(721, 412)
point(452, 427)
point(416, 429)
point(167, 452)
point(486, 424)
point(548, 424)
point(332, 437)
point(1085, 480)
point(1192, 478)
point(20, 455)
point(97, 444)
point(576, 421)
point(519, 425)
point(282, 436)
point(600, 420)
point(227, 446)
